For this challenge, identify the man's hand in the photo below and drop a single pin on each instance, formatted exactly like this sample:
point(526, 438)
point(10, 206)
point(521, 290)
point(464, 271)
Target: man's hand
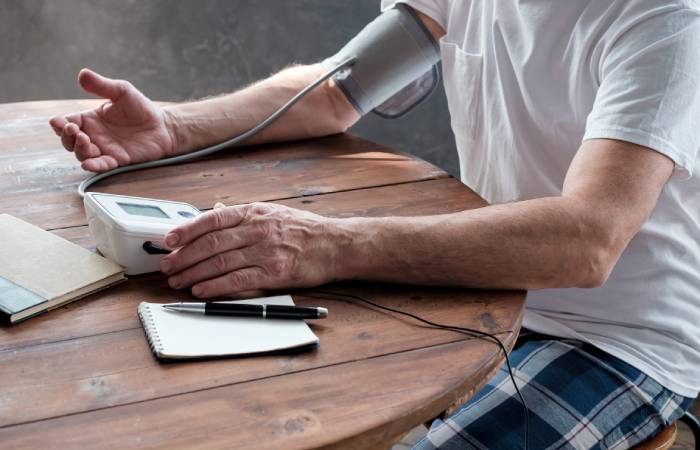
point(257, 246)
point(127, 129)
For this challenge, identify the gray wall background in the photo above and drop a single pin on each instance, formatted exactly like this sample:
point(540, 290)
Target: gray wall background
point(184, 49)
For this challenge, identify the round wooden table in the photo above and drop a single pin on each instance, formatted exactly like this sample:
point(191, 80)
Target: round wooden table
point(82, 376)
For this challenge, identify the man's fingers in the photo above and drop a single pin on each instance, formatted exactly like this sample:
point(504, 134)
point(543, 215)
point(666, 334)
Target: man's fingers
point(213, 267)
point(84, 149)
point(100, 164)
point(76, 118)
point(70, 131)
point(60, 126)
point(57, 123)
point(247, 279)
point(205, 247)
point(100, 86)
point(216, 219)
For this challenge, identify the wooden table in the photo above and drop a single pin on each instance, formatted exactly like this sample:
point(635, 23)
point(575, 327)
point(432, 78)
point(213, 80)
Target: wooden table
point(82, 376)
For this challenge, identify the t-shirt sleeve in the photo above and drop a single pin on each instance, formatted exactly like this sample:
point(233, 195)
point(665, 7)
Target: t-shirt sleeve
point(435, 9)
point(649, 90)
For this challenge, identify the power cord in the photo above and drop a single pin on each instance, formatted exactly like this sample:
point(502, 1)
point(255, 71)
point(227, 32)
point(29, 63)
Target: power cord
point(463, 330)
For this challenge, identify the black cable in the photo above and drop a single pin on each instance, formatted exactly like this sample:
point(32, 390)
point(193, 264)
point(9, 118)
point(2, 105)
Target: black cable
point(463, 330)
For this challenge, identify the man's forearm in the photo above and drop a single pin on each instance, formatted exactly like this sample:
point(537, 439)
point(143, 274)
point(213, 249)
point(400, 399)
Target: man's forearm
point(573, 240)
point(525, 245)
point(207, 122)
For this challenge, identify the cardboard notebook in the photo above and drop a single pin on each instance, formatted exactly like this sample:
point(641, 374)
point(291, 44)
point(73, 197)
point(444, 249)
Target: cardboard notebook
point(180, 335)
point(41, 271)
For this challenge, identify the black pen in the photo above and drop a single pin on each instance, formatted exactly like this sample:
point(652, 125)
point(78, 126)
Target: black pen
point(248, 310)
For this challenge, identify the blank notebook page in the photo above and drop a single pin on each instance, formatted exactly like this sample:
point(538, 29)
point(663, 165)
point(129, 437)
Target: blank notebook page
point(177, 335)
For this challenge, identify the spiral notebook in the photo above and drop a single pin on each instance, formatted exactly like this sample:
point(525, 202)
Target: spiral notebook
point(176, 335)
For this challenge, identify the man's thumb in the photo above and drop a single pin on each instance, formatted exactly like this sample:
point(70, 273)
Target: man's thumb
point(100, 86)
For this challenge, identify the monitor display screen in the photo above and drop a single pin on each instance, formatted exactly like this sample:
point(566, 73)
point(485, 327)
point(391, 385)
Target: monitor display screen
point(143, 210)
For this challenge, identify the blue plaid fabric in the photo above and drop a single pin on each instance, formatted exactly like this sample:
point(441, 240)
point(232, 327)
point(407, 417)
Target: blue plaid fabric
point(579, 398)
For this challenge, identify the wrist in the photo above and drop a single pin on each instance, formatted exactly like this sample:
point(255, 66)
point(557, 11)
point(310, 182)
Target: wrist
point(173, 126)
point(354, 251)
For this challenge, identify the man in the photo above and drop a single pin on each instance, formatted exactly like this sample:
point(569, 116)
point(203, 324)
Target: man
point(577, 121)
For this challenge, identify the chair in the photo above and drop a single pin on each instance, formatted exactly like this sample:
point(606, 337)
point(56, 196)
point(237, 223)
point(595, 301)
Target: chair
point(694, 425)
point(662, 441)
point(667, 437)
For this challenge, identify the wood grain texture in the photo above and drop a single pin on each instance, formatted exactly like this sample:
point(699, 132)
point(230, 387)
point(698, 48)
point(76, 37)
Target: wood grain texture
point(90, 328)
point(33, 162)
point(82, 375)
point(120, 361)
point(345, 406)
point(108, 311)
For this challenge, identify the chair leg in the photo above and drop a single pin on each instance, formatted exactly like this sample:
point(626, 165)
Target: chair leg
point(694, 425)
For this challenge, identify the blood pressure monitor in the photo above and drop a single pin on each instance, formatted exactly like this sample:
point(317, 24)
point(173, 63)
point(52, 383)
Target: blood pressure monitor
point(131, 230)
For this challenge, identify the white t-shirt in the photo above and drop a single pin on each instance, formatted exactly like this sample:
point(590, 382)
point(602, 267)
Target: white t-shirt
point(526, 83)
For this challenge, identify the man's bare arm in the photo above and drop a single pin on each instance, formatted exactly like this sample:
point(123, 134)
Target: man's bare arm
point(129, 128)
point(433, 27)
point(573, 240)
point(569, 241)
point(323, 111)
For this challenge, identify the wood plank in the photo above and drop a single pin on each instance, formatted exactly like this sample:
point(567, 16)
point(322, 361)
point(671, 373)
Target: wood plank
point(40, 178)
point(89, 316)
point(117, 368)
point(429, 197)
point(332, 407)
point(83, 376)
point(96, 355)
point(43, 191)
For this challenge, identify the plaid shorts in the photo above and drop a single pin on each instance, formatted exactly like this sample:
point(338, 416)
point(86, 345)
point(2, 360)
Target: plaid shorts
point(579, 398)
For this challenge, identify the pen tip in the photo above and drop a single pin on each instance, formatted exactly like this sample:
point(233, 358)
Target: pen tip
point(322, 312)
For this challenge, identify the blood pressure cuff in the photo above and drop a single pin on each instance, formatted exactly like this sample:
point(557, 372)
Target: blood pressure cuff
point(395, 64)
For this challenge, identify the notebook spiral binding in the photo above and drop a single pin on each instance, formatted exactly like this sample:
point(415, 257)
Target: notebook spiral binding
point(149, 325)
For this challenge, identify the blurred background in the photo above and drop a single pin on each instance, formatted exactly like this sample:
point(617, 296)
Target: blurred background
point(187, 49)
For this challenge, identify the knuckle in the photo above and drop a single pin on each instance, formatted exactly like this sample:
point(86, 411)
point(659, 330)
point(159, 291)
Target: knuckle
point(277, 266)
point(217, 218)
point(125, 86)
point(268, 229)
point(259, 208)
point(263, 231)
point(174, 262)
point(238, 280)
point(211, 242)
point(219, 262)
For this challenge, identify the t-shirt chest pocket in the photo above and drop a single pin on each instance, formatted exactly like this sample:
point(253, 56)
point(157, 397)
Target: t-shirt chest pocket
point(461, 72)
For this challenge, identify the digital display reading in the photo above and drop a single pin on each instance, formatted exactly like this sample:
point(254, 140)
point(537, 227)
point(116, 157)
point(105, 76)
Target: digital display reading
point(143, 210)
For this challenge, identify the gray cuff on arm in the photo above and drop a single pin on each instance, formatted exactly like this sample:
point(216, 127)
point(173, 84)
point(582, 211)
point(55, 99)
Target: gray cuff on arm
point(395, 66)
